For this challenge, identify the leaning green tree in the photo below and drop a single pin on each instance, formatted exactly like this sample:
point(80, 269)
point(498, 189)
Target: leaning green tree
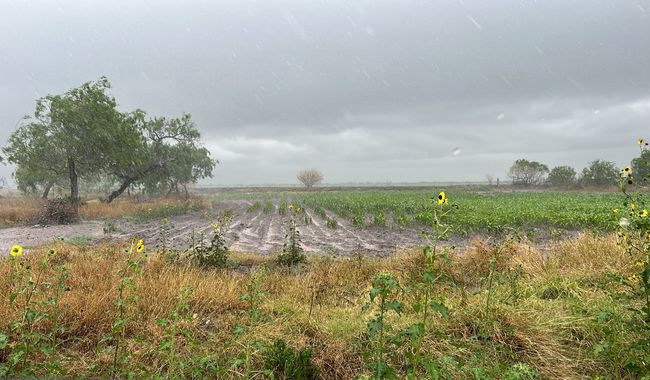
point(75, 133)
point(160, 153)
point(39, 166)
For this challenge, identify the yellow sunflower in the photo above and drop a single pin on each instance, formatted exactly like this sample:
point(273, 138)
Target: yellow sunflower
point(643, 213)
point(633, 279)
point(627, 170)
point(442, 198)
point(16, 251)
point(139, 246)
point(640, 141)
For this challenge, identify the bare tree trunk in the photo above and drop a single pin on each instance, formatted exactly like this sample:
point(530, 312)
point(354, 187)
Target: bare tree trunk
point(125, 185)
point(74, 182)
point(46, 191)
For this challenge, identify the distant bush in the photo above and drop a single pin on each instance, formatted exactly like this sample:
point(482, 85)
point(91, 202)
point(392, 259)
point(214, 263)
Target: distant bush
point(600, 173)
point(57, 211)
point(562, 176)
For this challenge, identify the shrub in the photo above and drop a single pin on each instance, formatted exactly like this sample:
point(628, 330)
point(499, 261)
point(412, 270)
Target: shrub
point(216, 254)
point(58, 211)
point(292, 252)
point(288, 363)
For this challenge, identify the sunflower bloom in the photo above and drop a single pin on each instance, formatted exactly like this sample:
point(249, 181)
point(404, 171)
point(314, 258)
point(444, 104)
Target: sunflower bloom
point(627, 170)
point(139, 247)
point(16, 251)
point(633, 279)
point(442, 198)
point(641, 142)
point(643, 213)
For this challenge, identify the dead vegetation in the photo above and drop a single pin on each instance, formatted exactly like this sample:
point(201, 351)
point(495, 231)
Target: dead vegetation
point(544, 316)
point(24, 210)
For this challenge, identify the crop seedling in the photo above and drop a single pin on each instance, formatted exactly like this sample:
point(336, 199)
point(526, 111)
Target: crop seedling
point(292, 252)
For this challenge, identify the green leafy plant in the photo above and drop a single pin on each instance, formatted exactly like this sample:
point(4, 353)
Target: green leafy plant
point(216, 253)
point(292, 252)
point(383, 295)
point(171, 325)
point(127, 296)
point(286, 362)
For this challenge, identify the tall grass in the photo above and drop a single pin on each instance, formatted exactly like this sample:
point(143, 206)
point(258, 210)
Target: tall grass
point(565, 308)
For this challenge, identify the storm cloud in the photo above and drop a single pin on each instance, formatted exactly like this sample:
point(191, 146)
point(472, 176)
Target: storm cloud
point(368, 91)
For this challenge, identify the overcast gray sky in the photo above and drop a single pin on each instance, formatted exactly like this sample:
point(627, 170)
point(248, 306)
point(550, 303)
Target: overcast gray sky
point(371, 90)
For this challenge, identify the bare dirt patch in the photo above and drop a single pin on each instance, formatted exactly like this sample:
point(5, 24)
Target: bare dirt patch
point(249, 231)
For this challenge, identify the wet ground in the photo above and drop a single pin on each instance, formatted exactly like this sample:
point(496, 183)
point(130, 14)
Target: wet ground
point(249, 231)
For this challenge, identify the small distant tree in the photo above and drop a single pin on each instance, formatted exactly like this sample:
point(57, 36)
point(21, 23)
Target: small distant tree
point(600, 173)
point(641, 168)
point(527, 173)
point(562, 176)
point(490, 179)
point(310, 177)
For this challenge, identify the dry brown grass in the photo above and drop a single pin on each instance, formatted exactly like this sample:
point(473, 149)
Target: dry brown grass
point(23, 210)
point(96, 209)
point(16, 210)
point(319, 306)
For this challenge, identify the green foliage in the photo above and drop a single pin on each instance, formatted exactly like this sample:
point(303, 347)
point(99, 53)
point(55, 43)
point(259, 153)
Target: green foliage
point(282, 208)
point(634, 240)
point(172, 326)
point(80, 135)
point(28, 347)
point(214, 255)
point(491, 212)
point(254, 207)
point(562, 177)
point(80, 240)
point(600, 173)
point(287, 363)
point(127, 296)
point(292, 252)
point(526, 173)
point(379, 219)
point(641, 167)
point(383, 296)
point(520, 371)
point(268, 207)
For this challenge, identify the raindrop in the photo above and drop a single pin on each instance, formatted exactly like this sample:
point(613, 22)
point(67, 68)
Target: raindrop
point(473, 20)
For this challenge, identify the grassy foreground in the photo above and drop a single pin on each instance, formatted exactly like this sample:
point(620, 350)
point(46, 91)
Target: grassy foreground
point(553, 314)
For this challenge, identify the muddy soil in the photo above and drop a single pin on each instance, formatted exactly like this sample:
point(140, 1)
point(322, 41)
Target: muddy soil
point(249, 231)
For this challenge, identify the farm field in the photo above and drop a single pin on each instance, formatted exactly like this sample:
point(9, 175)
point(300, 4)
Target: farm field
point(522, 284)
point(340, 223)
point(478, 211)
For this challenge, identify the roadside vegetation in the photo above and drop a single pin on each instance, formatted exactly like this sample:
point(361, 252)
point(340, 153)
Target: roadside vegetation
point(507, 308)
